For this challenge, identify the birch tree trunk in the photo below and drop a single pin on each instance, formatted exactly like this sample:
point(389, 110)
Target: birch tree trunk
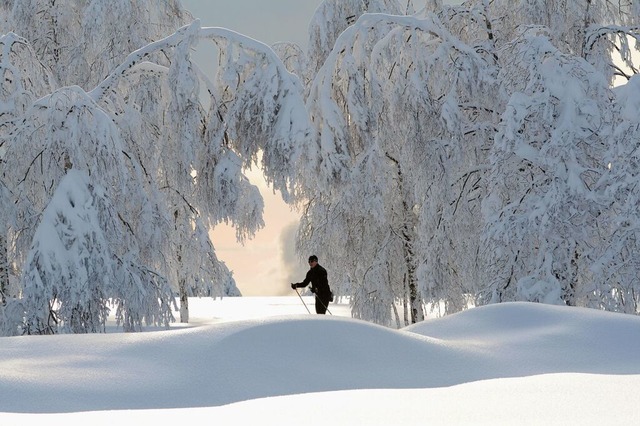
point(408, 240)
point(4, 269)
point(184, 302)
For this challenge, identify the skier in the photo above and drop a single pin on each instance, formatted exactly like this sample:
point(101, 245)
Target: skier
point(317, 276)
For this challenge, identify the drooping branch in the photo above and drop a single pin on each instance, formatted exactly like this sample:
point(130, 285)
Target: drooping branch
point(140, 55)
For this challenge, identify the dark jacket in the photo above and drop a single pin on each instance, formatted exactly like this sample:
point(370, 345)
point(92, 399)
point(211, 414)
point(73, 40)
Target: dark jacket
point(317, 276)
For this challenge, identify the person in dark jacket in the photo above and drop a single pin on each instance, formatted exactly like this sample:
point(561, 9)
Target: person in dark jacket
point(317, 276)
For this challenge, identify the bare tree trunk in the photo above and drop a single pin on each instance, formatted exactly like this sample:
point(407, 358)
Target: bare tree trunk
point(405, 300)
point(182, 282)
point(569, 290)
point(416, 303)
point(417, 314)
point(408, 239)
point(4, 269)
point(393, 302)
point(184, 301)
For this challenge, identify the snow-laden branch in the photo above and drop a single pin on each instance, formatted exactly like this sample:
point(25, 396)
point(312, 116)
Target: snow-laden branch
point(140, 55)
point(260, 103)
point(619, 38)
point(595, 32)
point(343, 94)
point(261, 106)
point(19, 90)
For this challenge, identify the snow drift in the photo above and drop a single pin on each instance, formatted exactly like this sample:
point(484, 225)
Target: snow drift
point(236, 361)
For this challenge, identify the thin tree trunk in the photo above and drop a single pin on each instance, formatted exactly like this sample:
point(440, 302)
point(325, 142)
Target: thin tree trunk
point(182, 282)
point(4, 269)
point(572, 281)
point(393, 302)
point(416, 301)
point(405, 300)
point(184, 302)
point(408, 239)
point(416, 304)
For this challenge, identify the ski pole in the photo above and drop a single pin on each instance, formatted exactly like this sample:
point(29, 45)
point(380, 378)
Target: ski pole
point(302, 300)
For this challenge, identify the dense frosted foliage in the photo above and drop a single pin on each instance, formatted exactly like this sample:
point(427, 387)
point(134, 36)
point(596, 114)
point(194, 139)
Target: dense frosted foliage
point(552, 151)
point(168, 158)
point(462, 154)
point(82, 41)
point(70, 277)
point(24, 79)
point(261, 106)
point(393, 121)
point(473, 152)
point(69, 264)
point(332, 17)
point(615, 264)
point(603, 32)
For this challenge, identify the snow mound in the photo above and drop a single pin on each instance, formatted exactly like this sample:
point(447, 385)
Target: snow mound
point(227, 362)
point(231, 362)
point(532, 338)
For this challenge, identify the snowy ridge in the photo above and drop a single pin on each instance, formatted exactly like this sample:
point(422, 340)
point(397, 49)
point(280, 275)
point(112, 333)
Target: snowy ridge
point(231, 362)
point(531, 338)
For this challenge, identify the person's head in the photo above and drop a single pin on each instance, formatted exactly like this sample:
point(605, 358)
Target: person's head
point(313, 260)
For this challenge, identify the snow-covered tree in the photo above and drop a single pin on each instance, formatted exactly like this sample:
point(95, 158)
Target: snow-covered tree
point(432, 96)
point(260, 111)
point(256, 115)
point(349, 168)
point(171, 167)
point(82, 41)
point(67, 130)
point(399, 101)
point(24, 80)
point(158, 109)
point(600, 31)
point(332, 17)
point(548, 156)
point(70, 275)
point(614, 266)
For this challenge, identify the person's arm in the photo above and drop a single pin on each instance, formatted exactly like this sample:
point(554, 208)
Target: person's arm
point(304, 283)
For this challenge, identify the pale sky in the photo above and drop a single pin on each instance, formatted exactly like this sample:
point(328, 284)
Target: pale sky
point(265, 265)
point(268, 21)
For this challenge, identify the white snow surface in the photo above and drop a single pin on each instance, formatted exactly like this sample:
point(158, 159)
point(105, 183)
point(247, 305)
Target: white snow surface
point(247, 360)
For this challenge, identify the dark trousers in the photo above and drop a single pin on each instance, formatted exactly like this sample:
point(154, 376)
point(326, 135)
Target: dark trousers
point(322, 303)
